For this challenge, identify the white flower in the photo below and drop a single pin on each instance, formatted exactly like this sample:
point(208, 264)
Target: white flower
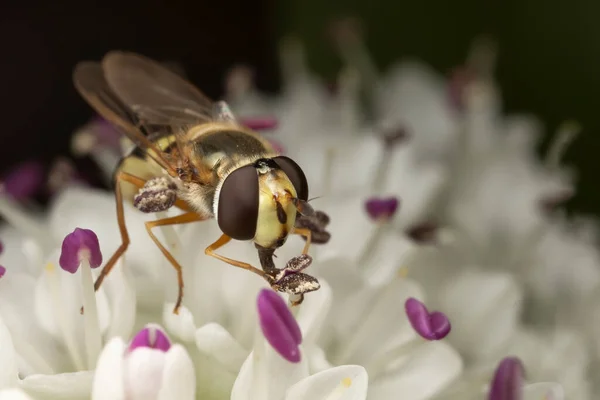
point(429, 204)
point(149, 368)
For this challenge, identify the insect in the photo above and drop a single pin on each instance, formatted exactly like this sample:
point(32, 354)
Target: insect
point(192, 154)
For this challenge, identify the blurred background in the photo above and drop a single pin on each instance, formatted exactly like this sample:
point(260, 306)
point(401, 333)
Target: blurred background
point(549, 57)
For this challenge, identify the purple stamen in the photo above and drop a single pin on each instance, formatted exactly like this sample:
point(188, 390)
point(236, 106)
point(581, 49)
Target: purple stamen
point(423, 233)
point(278, 325)
point(24, 181)
point(260, 123)
point(393, 137)
point(430, 326)
point(508, 380)
point(151, 336)
point(79, 245)
point(381, 209)
point(2, 271)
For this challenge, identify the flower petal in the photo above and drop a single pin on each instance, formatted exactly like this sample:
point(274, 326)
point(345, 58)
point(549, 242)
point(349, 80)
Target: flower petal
point(213, 340)
point(70, 386)
point(144, 373)
point(484, 308)
point(109, 376)
point(180, 325)
point(14, 394)
point(414, 96)
point(369, 328)
point(58, 300)
point(346, 382)
point(217, 362)
point(8, 363)
point(120, 292)
point(350, 228)
point(266, 375)
point(543, 391)
point(313, 312)
point(17, 311)
point(425, 373)
point(179, 379)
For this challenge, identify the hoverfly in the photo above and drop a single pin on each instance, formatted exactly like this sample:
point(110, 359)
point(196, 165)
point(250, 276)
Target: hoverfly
point(192, 154)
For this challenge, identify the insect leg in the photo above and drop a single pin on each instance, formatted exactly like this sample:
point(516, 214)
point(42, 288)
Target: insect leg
point(307, 234)
point(222, 241)
point(176, 220)
point(120, 178)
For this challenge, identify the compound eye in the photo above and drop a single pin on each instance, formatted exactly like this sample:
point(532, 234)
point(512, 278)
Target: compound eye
point(237, 214)
point(295, 175)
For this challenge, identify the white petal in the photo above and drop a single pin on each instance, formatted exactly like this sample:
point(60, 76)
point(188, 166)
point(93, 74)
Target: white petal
point(414, 97)
point(347, 382)
point(313, 311)
point(20, 252)
point(317, 359)
point(350, 228)
point(17, 311)
point(14, 394)
point(265, 375)
point(484, 308)
point(214, 341)
point(8, 361)
point(423, 374)
point(108, 380)
point(543, 391)
point(71, 386)
point(143, 373)
point(416, 184)
point(386, 257)
point(369, 327)
point(65, 298)
point(120, 291)
point(348, 175)
point(180, 325)
point(179, 380)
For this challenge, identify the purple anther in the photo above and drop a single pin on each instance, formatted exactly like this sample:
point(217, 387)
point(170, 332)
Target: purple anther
point(381, 209)
point(81, 244)
point(152, 337)
point(278, 325)
point(430, 326)
point(508, 380)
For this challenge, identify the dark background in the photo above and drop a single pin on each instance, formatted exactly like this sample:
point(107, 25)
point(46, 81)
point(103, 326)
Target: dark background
point(549, 61)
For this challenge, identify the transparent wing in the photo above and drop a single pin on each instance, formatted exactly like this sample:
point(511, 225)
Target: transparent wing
point(89, 80)
point(155, 94)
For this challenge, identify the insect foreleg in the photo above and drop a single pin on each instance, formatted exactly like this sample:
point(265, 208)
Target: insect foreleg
point(222, 241)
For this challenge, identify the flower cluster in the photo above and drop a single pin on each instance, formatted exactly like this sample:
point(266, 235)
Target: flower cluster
point(450, 272)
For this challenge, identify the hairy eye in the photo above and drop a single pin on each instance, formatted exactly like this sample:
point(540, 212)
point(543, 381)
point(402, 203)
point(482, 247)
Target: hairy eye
point(238, 204)
point(295, 174)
